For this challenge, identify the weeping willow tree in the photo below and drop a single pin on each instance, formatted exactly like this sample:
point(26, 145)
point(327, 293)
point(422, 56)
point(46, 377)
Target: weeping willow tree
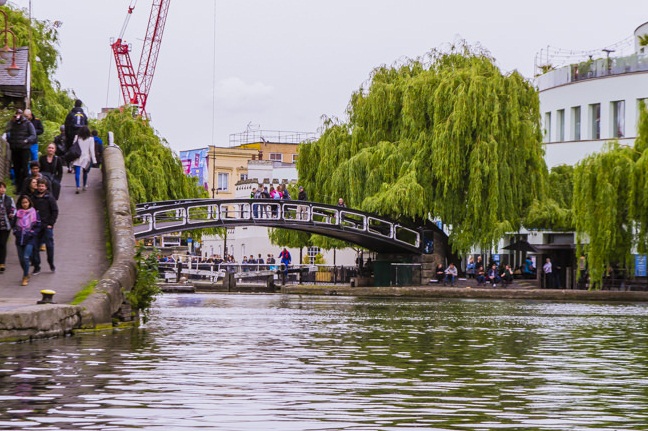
point(48, 101)
point(154, 172)
point(555, 211)
point(611, 204)
point(445, 136)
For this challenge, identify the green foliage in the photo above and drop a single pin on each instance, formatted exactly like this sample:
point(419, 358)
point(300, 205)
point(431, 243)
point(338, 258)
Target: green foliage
point(318, 260)
point(604, 207)
point(142, 295)
point(154, 172)
point(450, 137)
point(289, 238)
point(328, 243)
point(49, 102)
point(85, 291)
point(555, 211)
point(643, 40)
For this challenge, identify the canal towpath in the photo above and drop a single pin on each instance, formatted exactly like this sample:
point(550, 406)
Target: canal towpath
point(79, 249)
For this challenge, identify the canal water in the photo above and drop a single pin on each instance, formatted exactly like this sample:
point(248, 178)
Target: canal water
point(274, 362)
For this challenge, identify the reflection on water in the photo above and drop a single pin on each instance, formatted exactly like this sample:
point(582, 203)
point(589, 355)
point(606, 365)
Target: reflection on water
point(272, 362)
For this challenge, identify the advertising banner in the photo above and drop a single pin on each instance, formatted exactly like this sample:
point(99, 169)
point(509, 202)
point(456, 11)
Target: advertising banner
point(194, 163)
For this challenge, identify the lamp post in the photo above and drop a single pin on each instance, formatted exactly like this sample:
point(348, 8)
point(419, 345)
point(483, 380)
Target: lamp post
point(5, 51)
point(211, 155)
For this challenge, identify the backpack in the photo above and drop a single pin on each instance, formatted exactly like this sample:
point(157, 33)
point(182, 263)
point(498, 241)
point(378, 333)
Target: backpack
point(79, 120)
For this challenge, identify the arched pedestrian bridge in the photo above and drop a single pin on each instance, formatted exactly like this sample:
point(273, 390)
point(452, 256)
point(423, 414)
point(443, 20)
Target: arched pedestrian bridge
point(368, 230)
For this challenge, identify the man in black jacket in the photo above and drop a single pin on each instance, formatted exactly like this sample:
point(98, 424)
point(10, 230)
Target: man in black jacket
point(75, 119)
point(20, 135)
point(48, 211)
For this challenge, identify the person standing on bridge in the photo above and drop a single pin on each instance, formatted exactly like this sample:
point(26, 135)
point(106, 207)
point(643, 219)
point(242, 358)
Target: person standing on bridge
point(38, 127)
point(302, 210)
point(26, 231)
point(75, 120)
point(86, 159)
point(48, 211)
point(7, 213)
point(20, 135)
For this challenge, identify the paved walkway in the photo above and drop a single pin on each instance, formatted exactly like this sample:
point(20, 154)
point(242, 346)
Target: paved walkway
point(79, 249)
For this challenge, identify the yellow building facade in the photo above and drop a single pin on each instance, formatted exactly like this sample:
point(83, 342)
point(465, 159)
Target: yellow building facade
point(227, 166)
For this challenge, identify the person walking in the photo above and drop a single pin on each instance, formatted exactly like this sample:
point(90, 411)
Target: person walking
point(98, 148)
point(20, 135)
point(51, 167)
point(48, 212)
point(7, 214)
point(86, 159)
point(286, 259)
point(26, 231)
point(74, 121)
point(38, 127)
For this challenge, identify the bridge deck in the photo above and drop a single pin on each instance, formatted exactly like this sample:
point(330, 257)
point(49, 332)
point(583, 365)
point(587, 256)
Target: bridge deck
point(368, 230)
point(79, 249)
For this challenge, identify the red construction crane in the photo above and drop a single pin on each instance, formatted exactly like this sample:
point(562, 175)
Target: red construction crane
point(135, 88)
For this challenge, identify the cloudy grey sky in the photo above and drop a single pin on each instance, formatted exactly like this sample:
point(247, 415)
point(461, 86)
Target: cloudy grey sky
point(282, 64)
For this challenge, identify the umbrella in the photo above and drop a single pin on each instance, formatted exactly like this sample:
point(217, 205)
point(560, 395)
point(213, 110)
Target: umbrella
point(521, 245)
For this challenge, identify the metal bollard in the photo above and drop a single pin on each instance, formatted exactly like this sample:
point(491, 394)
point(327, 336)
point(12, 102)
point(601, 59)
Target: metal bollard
point(48, 296)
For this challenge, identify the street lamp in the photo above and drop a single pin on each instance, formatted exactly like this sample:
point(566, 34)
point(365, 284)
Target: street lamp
point(6, 52)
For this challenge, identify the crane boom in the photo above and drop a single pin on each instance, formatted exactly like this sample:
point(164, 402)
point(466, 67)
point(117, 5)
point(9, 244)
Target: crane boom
point(152, 42)
point(135, 87)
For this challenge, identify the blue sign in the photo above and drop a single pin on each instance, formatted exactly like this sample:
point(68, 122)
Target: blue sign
point(640, 265)
point(496, 259)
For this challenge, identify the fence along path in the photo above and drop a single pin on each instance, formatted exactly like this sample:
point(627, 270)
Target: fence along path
point(79, 249)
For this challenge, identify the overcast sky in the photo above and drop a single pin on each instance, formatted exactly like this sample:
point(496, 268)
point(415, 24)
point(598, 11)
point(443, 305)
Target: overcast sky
point(282, 64)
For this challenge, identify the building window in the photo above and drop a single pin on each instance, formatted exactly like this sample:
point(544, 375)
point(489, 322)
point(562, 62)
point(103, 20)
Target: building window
point(560, 125)
point(547, 128)
point(576, 123)
point(312, 253)
point(277, 157)
point(595, 121)
point(618, 119)
point(223, 181)
point(295, 157)
point(243, 177)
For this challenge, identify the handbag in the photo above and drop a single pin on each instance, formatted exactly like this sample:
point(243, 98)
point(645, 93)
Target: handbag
point(74, 152)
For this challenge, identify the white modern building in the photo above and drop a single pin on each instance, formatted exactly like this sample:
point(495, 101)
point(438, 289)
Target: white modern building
point(586, 100)
point(592, 100)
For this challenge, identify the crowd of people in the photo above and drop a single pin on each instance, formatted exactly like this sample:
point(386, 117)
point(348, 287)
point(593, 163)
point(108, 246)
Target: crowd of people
point(493, 274)
point(246, 264)
point(37, 183)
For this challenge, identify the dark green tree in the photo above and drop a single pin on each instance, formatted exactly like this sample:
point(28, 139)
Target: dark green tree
point(555, 211)
point(447, 136)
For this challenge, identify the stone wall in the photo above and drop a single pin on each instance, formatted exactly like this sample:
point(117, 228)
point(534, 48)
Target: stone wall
point(5, 159)
point(99, 309)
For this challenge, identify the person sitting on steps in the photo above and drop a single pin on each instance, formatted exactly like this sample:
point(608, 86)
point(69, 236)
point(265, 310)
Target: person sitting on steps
point(450, 274)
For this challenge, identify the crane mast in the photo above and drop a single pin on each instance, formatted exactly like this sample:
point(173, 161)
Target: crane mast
point(135, 87)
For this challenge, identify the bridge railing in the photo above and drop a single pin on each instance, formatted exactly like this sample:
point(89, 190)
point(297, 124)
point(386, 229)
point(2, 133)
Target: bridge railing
point(166, 216)
point(252, 272)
